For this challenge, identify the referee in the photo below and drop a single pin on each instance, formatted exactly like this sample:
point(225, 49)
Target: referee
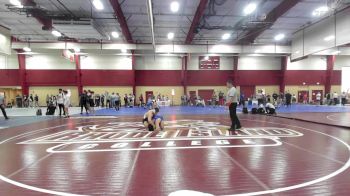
point(231, 101)
point(2, 105)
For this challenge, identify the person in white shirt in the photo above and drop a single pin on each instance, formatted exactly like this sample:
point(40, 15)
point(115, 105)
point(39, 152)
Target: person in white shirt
point(270, 108)
point(60, 101)
point(318, 98)
point(117, 102)
point(66, 102)
point(231, 101)
point(335, 98)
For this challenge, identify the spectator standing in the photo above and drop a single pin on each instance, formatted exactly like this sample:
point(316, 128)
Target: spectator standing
point(83, 102)
point(60, 101)
point(2, 105)
point(126, 100)
point(141, 100)
point(36, 101)
point(335, 98)
point(117, 102)
point(318, 98)
point(343, 98)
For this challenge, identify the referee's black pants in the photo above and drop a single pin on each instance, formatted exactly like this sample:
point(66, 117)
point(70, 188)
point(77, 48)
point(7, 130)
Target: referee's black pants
point(2, 107)
point(233, 115)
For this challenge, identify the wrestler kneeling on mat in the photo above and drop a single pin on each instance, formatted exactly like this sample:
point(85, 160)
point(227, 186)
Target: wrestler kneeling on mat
point(159, 122)
point(148, 119)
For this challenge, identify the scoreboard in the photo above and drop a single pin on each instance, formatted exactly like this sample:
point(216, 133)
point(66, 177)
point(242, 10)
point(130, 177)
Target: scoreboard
point(211, 62)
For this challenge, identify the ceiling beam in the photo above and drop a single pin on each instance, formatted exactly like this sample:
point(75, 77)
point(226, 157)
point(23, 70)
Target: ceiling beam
point(45, 21)
point(121, 19)
point(271, 18)
point(196, 19)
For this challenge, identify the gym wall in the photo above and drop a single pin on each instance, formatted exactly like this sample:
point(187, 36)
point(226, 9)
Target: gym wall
point(105, 62)
point(9, 61)
point(216, 89)
point(54, 61)
point(11, 92)
point(166, 91)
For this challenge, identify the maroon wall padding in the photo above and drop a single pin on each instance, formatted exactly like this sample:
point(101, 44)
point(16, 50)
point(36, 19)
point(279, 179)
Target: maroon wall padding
point(208, 77)
point(336, 77)
point(51, 77)
point(9, 77)
point(158, 77)
point(258, 77)
point(310, 77)
point(107, 77)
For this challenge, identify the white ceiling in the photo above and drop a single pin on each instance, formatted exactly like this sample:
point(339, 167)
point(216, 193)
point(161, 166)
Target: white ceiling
point(220, 16)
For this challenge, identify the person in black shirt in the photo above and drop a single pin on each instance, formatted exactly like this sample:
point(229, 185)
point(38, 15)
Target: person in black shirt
point(288, 99)
point(275, 97)
point(36, 101)
point(83, 102)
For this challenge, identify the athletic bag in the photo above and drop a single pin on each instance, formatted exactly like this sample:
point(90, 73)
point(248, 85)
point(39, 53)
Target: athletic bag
point(261, 111)
point(38, 112)
point(254, 111)
point(50, 110)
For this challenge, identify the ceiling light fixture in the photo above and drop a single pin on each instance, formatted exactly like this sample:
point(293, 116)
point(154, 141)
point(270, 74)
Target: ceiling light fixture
point(279, 37)
point(16, 3)
point(98, 4)
point(226, 36)
point(329, 38)
point(27, 49)
point(174, 6)
point(123, 50)
point(171, 35)
point(115, 34)
point(250, 8)
point(320, 11)
point(56, 33)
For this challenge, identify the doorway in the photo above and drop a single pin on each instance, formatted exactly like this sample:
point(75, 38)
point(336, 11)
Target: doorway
point(148, 94)
point(206, 95)
point(247, 91)
point(303, 96)
point(193, 95)
point(314, 93)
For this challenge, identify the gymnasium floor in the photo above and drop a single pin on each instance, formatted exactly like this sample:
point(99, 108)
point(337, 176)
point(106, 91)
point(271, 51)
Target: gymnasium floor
point(110, 154)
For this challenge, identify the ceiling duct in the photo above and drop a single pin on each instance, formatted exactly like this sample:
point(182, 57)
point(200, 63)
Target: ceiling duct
point(78, 29)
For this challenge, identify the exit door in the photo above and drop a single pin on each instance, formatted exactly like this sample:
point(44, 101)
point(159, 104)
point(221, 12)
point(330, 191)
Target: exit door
point(247, 91)
point(206, 95)
point(193, 95)
point(314, 93)
point(149, 95)
point(303, 96)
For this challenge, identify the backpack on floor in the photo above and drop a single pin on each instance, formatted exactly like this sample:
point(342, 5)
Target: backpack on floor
point(245, 111)
point(261, 111)
point(50, 110)
point(39, 112)
point(254, 111)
